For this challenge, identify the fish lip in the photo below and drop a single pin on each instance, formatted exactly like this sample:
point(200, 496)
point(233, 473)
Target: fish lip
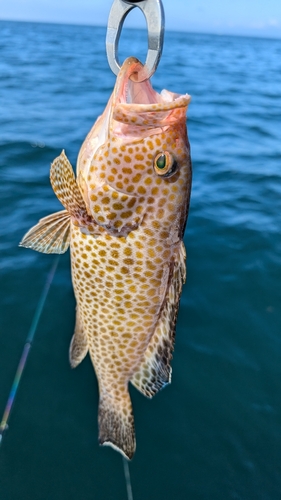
point(129, 67)
point(128, 90)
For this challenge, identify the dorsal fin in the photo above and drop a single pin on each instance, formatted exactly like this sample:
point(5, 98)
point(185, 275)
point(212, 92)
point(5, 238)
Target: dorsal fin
point(50, 235)
point(155, 370)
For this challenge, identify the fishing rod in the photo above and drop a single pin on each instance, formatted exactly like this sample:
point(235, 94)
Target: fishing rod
point(26, 350)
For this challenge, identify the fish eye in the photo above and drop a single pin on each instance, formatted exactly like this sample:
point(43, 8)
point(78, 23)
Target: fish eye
point(165, 164)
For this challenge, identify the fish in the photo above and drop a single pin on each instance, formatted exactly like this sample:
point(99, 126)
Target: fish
point(124, 218)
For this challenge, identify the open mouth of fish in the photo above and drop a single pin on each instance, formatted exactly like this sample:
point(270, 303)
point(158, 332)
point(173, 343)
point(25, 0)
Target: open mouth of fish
point(137, 104)
point(129, 90)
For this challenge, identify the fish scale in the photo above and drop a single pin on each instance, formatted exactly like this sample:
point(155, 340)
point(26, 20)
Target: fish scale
point(127, 213)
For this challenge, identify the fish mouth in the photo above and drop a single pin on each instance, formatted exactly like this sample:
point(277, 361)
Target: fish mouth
point(128, 90)
point(137, 104)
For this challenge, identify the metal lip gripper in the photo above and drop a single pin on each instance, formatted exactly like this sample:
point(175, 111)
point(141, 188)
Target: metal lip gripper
point(155, 19)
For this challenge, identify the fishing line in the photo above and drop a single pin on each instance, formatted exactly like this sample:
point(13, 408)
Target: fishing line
point(26, 349)
point(128, 479)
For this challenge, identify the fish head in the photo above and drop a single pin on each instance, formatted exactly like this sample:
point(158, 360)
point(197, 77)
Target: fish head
point(136, 154)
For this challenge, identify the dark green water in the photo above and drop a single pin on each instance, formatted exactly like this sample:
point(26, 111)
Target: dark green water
point(215, 433)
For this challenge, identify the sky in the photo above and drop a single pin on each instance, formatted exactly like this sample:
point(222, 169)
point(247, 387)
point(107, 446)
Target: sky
point(239, 17)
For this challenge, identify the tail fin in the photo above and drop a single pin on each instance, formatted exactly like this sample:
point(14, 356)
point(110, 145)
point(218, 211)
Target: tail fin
point(116, 423)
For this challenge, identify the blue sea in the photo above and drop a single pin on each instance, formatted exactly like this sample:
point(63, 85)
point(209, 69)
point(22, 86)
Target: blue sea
point(215, 432)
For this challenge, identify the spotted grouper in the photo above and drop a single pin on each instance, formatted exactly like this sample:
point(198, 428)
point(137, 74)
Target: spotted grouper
point(124, 220)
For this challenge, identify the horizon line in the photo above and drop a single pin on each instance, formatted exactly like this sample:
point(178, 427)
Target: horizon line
point(63, 23)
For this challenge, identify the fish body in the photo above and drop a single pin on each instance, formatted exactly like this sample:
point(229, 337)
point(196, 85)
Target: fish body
point(124, 220)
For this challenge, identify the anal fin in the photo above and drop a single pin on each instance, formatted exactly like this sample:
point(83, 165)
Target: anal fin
point(155, 370)
point(79, 344)
point(50, 235)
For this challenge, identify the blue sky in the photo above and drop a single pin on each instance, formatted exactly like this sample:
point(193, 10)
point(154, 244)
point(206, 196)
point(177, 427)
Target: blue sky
point(241, 17)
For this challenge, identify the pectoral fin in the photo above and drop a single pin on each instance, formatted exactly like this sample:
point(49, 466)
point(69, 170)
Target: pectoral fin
point(155, 370)
point(50, 235)
point(67, 191)
point(79, 345)
point(65, 186)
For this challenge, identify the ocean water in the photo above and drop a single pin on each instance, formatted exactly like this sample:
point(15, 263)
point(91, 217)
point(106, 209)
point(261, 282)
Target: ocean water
point(215, 432)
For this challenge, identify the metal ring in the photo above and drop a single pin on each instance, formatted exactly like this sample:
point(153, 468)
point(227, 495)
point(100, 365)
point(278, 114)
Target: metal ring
point(154, 15)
